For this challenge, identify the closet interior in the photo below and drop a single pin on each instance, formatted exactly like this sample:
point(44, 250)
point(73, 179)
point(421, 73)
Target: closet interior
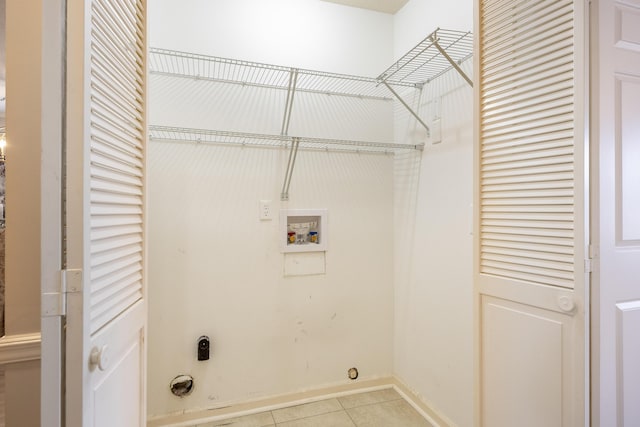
point(228, 137)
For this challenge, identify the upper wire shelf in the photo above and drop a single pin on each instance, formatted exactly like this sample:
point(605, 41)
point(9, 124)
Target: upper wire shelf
point(438, 53)
point(246, 73)
point(208, 136)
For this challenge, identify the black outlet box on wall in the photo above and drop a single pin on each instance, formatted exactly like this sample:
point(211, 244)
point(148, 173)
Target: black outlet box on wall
point(203, 348)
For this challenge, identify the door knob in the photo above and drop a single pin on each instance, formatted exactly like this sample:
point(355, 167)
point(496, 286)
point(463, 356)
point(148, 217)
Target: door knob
point(566, 304)
point(99, 357)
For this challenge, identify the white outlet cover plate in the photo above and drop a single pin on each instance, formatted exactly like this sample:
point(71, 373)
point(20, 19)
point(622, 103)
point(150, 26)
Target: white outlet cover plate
point(265, 210)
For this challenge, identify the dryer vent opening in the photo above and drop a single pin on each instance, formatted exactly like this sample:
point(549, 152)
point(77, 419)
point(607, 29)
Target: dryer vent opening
point(182, 385)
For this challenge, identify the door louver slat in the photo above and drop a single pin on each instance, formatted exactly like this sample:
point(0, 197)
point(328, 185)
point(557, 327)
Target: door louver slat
point(497, 150)
point(527, 127)
point(528, 26)
point(495, 12)
point(116, 169)
point(554, 65)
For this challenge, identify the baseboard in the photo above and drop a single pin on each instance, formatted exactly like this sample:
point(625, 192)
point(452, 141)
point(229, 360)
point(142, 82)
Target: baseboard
point(282, 401)
point(20, 348)
point(270, 403)
point(425, 409)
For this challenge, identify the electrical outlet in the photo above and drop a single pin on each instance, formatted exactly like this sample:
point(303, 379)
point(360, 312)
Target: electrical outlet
point(265, 213)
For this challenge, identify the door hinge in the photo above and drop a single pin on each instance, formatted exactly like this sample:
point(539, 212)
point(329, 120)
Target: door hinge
point(55, 303)
point(593, 252)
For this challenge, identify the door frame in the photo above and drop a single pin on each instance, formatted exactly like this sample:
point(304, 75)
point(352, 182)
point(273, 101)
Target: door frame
point(52, 239)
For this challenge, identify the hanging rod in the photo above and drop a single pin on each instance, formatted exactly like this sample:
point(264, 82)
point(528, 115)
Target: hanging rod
point(217, 137)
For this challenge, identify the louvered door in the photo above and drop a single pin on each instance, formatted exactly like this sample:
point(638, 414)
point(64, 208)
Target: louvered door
point(530, 276)
point(105, 182)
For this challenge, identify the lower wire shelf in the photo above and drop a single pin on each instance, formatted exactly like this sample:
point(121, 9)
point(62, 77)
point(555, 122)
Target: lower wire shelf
point(218, 137)
point(292, 143)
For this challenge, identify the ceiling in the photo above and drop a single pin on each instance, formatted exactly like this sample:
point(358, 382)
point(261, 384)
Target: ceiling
point(386, 6)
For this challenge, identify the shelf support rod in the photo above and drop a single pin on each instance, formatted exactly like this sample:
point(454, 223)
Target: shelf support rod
point(291, 90)
point(293, 153)
point(408, 107)
point(453, 63)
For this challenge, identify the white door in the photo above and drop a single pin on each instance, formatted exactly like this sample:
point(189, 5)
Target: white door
point(616, 214)
point(104, 218)
point(531, 293)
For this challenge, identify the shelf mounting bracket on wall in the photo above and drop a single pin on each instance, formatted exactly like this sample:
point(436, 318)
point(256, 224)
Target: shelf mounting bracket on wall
point(293, 152)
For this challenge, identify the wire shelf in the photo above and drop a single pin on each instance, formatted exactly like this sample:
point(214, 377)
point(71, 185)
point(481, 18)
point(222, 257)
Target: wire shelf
point(439, 52)
point(217, 137)
point(246, 73)
point(425, 61)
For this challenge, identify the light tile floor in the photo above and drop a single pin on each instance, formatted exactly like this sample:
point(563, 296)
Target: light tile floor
point(383, 408)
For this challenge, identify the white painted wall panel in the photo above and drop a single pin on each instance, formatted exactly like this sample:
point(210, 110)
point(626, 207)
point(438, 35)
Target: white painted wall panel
point(419, 17)
point(217, 270)
point(299, 33)
point(433, 332)
point(433, 254)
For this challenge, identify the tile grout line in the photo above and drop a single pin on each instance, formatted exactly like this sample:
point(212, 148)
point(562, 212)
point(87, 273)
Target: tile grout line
point(309, 416)
point(340, 405)
point(351, 418)
point(347, 412)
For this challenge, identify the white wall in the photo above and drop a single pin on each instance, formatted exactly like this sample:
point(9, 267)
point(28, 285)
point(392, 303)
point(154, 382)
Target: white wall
point(214, 268)
point(418, 18)
point(299, 33)
point(433, 335)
